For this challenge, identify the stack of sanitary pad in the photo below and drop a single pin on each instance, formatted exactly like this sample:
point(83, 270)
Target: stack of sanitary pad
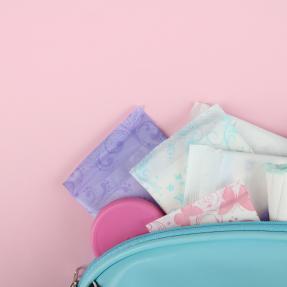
point(217, 168)
point(211, 152)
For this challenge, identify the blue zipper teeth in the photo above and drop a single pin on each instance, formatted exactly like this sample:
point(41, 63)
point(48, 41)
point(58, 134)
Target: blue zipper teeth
point(195, 229)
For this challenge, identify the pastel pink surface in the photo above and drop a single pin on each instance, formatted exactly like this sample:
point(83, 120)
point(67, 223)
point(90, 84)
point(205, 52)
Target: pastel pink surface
point(122, 220)
point(71, 70)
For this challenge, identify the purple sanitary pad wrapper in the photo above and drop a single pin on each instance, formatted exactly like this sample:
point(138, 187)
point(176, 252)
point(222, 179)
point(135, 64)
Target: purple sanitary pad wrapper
point(104, 175)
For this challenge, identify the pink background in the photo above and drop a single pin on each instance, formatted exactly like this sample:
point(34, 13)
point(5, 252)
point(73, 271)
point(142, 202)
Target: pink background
point(71, 70)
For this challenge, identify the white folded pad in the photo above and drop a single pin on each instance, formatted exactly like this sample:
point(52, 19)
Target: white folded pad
point(210, 169)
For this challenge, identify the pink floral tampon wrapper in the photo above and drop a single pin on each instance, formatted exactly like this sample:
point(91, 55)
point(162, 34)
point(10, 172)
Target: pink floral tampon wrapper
point(232, 203)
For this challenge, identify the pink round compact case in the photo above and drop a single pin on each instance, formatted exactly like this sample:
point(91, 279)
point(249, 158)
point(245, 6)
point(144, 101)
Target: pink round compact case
point(121, 220)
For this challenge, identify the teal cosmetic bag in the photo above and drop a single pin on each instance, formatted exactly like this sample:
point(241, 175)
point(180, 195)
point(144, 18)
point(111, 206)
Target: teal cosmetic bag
point(218, 255)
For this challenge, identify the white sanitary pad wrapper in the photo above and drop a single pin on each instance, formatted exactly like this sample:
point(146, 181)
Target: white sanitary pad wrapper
point(276, 177)
point(210, 169)
point(163, 172)
point(259, 140)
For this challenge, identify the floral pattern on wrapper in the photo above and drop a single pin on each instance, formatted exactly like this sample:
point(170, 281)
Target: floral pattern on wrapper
point(232, 203)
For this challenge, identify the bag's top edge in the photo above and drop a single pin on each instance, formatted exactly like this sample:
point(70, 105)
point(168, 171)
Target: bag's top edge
point(95, 266)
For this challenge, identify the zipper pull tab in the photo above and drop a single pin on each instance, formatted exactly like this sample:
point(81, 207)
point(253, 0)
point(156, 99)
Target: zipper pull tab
point(76, 276)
